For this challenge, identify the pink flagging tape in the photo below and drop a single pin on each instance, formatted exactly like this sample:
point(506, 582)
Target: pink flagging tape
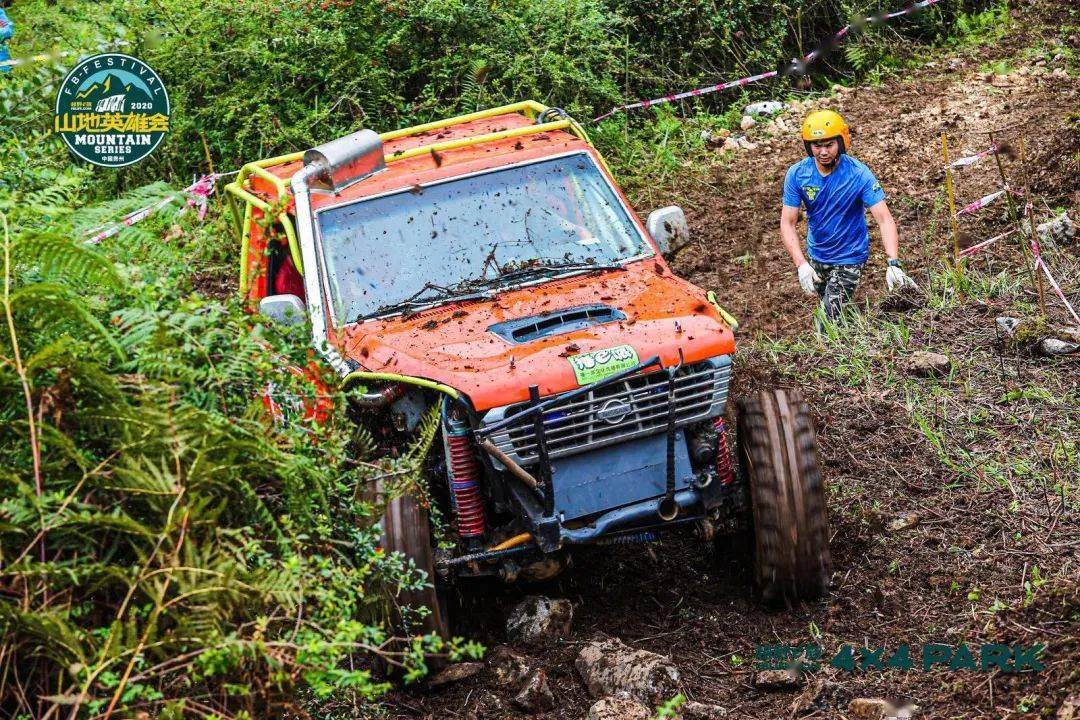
point(129, 220)
point(809, 57)
point(981, 202)
point(690, 93)
point(1053, 283)
point(198, 193)
point(972, 159)
point(979, 247)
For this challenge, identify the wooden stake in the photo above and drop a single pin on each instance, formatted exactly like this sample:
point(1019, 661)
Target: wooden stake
point(209, 159)
point(1014, 216)
point(1030, 210)
point(952, 200)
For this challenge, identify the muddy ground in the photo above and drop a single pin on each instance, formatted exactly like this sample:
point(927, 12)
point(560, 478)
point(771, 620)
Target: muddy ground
point(892, 587)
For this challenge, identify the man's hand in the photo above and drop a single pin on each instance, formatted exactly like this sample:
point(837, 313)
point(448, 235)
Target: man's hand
point(896, 278)
point(807, 278)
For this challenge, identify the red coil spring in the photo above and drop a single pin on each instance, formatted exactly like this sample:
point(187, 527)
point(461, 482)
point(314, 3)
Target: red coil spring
point(724, 471)
point(464, 480)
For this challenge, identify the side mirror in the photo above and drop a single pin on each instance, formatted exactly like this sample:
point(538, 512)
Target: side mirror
point(284, 309)
point(668, 227)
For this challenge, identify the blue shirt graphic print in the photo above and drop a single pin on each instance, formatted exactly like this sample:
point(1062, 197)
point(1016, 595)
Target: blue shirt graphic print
point(835, 208)
point(7, 29)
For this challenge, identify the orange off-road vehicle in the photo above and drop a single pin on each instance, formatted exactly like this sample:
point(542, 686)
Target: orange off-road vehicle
point(488, 268)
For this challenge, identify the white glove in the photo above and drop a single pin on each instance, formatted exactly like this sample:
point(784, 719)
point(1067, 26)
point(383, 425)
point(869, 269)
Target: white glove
point(807, 278)
point(896, 278)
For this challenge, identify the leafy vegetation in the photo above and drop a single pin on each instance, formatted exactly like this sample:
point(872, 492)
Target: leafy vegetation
point(164, 546)
point(979, 27)
point(256, 78)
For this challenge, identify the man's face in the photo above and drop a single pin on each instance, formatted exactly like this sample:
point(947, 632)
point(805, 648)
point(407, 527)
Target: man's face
point(826, 151)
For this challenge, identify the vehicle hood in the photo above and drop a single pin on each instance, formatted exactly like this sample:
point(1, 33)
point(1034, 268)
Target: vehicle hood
point(454, 344)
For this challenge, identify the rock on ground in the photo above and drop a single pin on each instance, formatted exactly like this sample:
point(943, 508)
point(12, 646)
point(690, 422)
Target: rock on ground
point(1053, 346)
point(904, 522)
point(879, 709)
point(618, 708)
point(928, 364)
point(775, 680)
point(455, 673)
point(1008, 326)
point(535, 695)
point(1060, 230)
point(701, 711)
point(539, 619)
point(610, 666)
point(1070, 709)
point(747, 122)
point(506, 666)
point(716, 139)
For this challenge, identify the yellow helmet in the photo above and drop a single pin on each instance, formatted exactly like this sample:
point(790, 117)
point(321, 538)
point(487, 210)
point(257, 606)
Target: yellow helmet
point(823, 125)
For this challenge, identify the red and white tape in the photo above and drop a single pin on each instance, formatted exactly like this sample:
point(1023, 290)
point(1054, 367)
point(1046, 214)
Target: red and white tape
point(809, 57)
point(1040, 263)
point(196, 194)
point(979, 247)
point(972, 159)
point(981, 202)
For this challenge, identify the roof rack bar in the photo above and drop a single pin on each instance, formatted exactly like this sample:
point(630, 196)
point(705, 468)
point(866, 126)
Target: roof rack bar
point(477, 139)
point(531, 108)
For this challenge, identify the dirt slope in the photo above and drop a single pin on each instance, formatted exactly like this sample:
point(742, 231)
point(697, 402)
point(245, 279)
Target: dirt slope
point(896, 132)
point(893, 587)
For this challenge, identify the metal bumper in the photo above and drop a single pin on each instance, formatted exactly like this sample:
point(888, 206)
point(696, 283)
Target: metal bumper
point(538, 504)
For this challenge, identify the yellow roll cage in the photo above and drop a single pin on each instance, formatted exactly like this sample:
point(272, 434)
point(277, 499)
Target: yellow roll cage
point(237, 189)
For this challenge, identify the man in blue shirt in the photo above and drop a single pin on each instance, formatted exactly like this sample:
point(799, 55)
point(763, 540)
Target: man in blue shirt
point(6, 31)
point(836, 190)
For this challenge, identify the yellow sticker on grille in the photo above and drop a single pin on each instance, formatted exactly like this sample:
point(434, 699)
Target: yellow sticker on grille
point(599, 364)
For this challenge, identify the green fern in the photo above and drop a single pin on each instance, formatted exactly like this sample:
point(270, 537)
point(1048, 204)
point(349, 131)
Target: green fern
point(171, 514)
point(858, 56)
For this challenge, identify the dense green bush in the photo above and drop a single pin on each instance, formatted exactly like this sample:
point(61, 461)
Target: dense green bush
point(258, 77)
point(164, 546)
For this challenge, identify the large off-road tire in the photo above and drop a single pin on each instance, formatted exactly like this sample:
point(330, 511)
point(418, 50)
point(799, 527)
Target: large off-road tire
point(778, 454)
point(406, 530)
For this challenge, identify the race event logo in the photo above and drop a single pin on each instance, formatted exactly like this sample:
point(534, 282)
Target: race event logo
point(112, 110)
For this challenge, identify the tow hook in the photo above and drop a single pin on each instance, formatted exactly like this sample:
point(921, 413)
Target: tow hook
point(668, 509)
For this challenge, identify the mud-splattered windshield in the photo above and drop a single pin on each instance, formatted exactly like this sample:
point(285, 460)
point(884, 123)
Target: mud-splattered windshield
point(467, 234)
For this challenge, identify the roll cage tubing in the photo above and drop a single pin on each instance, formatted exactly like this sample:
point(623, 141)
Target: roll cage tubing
point(301, 237)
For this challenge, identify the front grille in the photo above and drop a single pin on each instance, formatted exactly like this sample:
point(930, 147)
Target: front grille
point(631, 408)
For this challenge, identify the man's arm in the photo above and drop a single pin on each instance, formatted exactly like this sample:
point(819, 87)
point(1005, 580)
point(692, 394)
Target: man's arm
point(895, 277)
point(890, 237)
point(807, 277)
point(789, 216)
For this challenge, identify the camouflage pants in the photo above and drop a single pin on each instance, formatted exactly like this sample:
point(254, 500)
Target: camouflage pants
point(837, 286)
